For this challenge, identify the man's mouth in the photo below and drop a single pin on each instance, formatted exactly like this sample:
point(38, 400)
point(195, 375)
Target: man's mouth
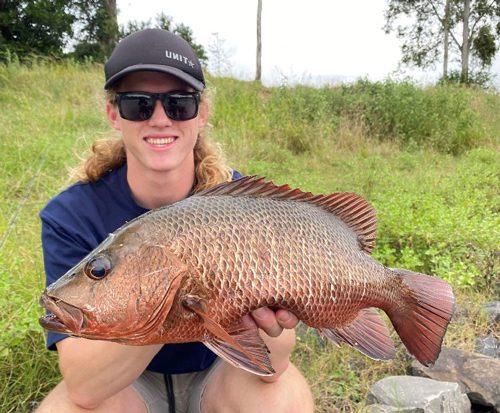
point(160, 141)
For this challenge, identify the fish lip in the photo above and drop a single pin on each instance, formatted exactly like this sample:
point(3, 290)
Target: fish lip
point(62, 317)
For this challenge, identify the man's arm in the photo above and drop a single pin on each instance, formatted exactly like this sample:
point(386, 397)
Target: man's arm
point(94, 370)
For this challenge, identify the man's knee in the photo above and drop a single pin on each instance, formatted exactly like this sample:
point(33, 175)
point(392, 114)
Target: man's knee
point(59, 400)
point(294, 394)
point(232, 390)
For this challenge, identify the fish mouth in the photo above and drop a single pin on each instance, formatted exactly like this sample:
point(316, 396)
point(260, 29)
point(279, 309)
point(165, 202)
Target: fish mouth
point(62, 317)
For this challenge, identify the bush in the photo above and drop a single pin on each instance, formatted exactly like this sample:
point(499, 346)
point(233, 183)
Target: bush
point(448, 118)
point(441, 117)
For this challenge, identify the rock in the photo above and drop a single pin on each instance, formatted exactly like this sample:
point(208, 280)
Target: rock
point(488, 345)
point(409, 394)
point(493, 310)
point(478, 375)
point(381, 408)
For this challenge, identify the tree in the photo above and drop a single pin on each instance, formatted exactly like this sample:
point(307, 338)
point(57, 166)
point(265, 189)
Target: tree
point(218, 62)
point(258, 71)
point(98, 28)
point(162, 21)
point(436, 26)
point(51, 27)
point(40, 27)
point(187, 34)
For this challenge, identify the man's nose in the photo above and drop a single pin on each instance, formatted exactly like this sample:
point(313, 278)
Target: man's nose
point(159, 117)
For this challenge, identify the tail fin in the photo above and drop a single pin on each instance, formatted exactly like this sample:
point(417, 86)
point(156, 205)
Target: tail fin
point(421, 320)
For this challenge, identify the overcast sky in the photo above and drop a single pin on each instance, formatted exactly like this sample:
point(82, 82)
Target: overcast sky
point(309, 41)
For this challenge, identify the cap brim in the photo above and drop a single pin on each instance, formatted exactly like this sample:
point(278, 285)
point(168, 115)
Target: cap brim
point(190, 80)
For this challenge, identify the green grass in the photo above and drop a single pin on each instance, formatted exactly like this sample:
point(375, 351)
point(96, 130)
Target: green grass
point(426, 158)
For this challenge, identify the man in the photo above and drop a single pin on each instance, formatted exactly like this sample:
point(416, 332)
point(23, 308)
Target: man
point(155, 102)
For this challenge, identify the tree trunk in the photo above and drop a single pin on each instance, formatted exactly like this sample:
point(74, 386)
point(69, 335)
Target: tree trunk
point(258, 71)
point(446, 27)
point(110, 7)
point(464, 77)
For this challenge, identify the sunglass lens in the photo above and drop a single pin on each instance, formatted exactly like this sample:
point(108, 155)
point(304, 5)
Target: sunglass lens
point(180, 107)
point(136, 107)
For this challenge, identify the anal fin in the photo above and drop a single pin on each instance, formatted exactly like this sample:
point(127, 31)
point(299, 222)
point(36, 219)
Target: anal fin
point(367, 333)
point(242, 347)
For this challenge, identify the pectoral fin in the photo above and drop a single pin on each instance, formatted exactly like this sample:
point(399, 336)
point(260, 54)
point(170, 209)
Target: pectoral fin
point(243, 347)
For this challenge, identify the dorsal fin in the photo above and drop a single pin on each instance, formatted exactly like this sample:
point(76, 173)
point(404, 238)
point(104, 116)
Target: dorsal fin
point(352, 209)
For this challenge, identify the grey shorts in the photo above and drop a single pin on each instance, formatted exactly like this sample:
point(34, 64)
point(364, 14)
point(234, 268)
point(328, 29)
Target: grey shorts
point(188, 390)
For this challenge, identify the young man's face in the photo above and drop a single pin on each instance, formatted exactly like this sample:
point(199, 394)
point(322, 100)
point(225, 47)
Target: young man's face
point(159, 143)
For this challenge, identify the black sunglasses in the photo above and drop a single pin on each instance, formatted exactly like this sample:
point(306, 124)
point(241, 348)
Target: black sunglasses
point(139, 106)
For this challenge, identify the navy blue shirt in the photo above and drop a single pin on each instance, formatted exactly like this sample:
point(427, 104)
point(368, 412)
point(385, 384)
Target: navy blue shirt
point(75, 222)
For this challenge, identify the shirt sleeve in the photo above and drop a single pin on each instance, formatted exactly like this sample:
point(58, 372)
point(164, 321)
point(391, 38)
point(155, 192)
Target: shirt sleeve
point(236, 175)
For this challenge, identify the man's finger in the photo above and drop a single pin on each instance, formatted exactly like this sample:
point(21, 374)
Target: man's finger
point(247, 322)
point(286, 319)
point(266, 320)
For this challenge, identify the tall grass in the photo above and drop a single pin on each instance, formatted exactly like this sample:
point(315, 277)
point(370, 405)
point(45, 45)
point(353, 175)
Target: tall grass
point(426, 158)
point(445, 118)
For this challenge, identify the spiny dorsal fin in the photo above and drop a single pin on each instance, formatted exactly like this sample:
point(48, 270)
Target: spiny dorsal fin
point(354, 210)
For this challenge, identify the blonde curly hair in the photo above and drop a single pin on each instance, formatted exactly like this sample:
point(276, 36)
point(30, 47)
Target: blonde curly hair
point(109, 154)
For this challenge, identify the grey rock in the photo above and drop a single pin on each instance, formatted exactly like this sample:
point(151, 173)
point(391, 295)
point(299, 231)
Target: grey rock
point(488, 345)
point(381, 408)
point(477, 374)
point(493, 310)
point(410, 394)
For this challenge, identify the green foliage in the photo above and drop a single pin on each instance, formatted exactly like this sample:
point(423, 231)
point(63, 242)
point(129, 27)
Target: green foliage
point(443, 221)
point(442, 117)
point(39, 27)
point(47, 113)
point(162, 21)
point(22, 371)
point(481, 78)
point(422, 25)
point(44, 27)
point(422, 37)
point(484, 46)
point(187, 34)
point(98, 29)
point(300, 119)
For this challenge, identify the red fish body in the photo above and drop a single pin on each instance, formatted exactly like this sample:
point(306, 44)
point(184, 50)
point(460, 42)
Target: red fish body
point(191, 270)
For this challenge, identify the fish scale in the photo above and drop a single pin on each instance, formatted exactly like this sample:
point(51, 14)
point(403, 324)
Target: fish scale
point(298, 262)
point(196, 267)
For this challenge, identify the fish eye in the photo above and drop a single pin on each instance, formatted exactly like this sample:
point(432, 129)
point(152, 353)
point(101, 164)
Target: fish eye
point(98, 267)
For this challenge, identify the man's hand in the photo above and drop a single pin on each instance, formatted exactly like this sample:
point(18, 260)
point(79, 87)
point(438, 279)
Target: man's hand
point(280, 343)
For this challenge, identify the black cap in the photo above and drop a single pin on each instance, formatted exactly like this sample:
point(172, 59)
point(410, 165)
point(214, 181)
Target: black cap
point(156, 50)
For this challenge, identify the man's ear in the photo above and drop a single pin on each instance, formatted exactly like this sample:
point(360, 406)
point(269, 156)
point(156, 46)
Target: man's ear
point(113, 116)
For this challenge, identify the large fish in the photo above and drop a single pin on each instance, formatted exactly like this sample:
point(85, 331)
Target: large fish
point(190, 271)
